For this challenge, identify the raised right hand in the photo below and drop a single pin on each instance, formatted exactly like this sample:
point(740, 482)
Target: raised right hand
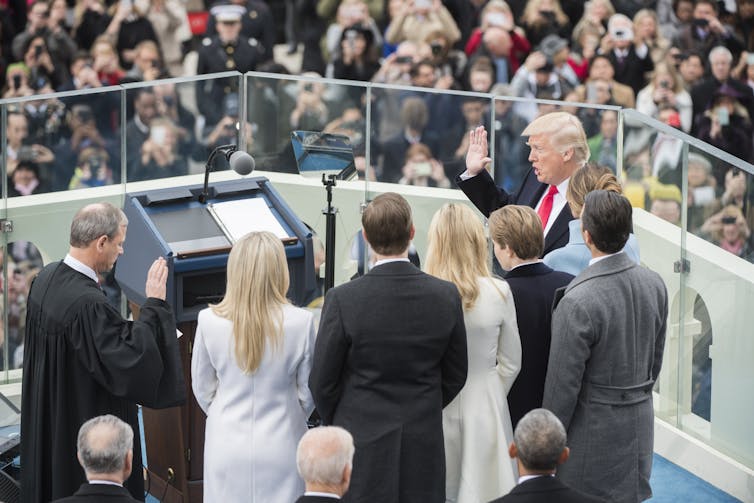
point(476, 156)
point(157, 278)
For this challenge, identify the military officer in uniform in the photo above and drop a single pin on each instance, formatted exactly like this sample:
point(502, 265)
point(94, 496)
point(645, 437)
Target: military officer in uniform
point(226, 51)
point(256, 22)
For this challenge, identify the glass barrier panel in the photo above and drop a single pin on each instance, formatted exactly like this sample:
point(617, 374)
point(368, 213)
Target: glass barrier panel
point(63, 141)
point(278, 105)
point(171, 126)
point(720, 283)
point(419, 135)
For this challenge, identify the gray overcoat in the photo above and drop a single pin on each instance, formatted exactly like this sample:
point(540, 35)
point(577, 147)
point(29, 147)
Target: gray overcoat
point(608, 334)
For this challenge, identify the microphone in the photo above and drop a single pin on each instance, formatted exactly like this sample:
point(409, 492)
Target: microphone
point(239, 161)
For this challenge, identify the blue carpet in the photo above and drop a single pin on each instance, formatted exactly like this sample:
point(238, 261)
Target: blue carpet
point(671, 483)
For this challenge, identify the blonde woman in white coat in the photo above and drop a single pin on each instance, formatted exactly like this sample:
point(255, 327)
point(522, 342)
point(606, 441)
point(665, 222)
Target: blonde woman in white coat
point(477, 424)
point(249, 370)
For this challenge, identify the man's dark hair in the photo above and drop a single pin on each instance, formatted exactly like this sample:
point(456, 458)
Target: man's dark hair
point(607, 218)
point(387, 224)
point(540, 439)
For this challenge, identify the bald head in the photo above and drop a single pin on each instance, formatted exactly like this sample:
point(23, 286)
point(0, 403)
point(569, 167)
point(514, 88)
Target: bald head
point(497, 41)
point(324, 458)
point(105, 445)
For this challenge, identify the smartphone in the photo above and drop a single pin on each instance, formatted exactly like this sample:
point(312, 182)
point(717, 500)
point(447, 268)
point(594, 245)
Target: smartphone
point(158, 134)
point(404, 60)
point(37, 51)
point(422, 169)
point(423, 4)
point(729, 220)
point(750, 59)
point(126, 4)
point(16, 81)
point(723, 116)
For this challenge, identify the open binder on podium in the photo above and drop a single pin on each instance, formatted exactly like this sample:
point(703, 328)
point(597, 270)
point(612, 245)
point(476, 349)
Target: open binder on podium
point(237, 218)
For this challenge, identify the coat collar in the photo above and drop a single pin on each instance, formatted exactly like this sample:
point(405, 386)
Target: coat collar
point(608, 266)
point(394, 268)
point(535, 269)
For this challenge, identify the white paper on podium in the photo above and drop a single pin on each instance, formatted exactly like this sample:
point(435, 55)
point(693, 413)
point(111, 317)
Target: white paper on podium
point(238, 218)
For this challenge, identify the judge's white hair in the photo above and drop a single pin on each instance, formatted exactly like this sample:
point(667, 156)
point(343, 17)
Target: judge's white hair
point(323, 454)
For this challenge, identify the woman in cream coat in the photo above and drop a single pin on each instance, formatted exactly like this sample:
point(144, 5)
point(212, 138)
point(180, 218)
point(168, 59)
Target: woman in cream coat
point(477, 424)
point(249, 369)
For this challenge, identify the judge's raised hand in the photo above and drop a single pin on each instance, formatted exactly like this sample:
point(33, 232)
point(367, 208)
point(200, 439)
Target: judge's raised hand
point(476, 155)
point(157, 277)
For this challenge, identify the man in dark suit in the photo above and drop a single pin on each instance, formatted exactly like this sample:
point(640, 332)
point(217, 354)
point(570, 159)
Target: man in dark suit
point(324, 460)
point(516, 233)
point(105, 452)
point(631, 61)
point(539, 446)
point(558, 148)
point(390, 354)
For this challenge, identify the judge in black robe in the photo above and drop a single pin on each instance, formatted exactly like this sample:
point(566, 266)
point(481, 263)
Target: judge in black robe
point(81, 360)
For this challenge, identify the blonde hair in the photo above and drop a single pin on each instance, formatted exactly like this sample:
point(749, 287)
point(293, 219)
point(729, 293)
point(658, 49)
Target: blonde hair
point(584, 180)
point(564, 131)
point(457, 250)
point(518, 228)
point(257, 283)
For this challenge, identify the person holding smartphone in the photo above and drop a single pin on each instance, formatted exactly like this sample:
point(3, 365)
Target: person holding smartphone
point(423, 169)
point(419, 18)
point(726, 123)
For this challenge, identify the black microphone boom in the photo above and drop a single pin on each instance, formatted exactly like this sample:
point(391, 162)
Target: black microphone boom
point(239, 161)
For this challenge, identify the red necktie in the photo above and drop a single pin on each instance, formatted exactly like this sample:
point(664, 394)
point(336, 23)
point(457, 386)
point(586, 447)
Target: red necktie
point(546, 207)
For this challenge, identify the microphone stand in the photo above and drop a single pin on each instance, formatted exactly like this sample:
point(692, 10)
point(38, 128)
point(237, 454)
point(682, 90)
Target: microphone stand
point(329, 212)
point(226, 150)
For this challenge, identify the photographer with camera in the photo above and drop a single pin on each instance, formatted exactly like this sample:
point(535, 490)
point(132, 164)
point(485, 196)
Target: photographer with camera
point(544, 17)
point(159, 156)
point(629, 56)
point(726, 124)
point(538, 76)
point(17, 81)
point(56, 39)
point(43, 70)
point(422, 169)
point(311, 112)
point(358, 57)
point(665, 88)
point(147, 63)
point(92, 169)
point(21, 150)
point(706, 31)
point(418, 18)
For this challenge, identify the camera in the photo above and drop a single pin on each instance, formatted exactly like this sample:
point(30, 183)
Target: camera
point(38, 51)
point(26, 153)
point(85, 115)
point(729, 220)
point(309, 87)
point(94, 164)
point(16, 81)
point(665, 84)
point(701, 23)
point(436, 48)
point(404, 60)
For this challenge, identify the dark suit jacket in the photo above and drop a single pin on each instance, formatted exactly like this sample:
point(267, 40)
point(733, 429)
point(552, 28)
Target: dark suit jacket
point(545, 490)
point(487, 197)
point(631, 72)
point(96, 493)
point(533, 287)
point(316, 499)
point(390, 354)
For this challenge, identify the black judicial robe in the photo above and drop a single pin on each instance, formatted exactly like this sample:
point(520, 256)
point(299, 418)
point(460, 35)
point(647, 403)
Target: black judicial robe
point(81, 360)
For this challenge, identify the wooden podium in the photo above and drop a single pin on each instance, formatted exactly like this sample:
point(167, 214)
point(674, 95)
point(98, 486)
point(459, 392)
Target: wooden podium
point(173, 224)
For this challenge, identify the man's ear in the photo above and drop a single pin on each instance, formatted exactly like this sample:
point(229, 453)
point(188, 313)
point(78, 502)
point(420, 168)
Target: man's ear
point(587, 237)
point(512, 451)
point(128, 464)
point(101, 242)
point(413, 231)
point(568, 154)
point(564, 455)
